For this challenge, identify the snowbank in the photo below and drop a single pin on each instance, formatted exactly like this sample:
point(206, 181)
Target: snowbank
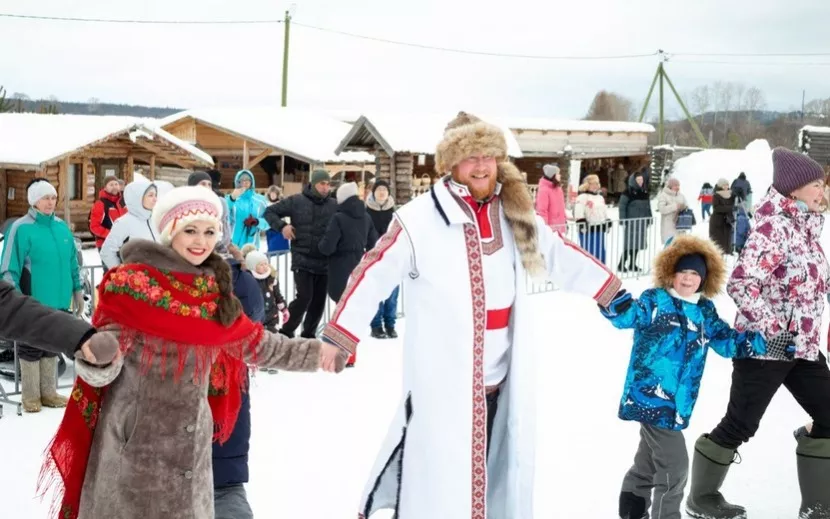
point(712, 165)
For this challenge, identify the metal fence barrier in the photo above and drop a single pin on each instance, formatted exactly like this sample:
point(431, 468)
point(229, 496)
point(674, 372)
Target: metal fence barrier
point(626, 247)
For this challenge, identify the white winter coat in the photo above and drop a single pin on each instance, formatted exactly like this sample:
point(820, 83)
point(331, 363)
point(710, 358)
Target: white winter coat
point(432, 462)
point(133, 225)
point(669, 204)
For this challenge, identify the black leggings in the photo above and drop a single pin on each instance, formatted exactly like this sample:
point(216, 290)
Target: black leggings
point(755, 382)
point(492, 407)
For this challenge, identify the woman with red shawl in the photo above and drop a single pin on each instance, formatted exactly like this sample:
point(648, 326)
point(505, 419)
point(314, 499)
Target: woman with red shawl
point(135, 440)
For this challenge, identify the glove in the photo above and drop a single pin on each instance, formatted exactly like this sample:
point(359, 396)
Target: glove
point(619, 305)
point(103, 345)
point(782, 346)
point(251, 221)
point(284, 314)
point(78, 303)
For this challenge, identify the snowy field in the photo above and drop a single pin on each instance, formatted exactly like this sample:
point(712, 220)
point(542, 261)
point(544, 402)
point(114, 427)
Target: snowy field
point(315, 436)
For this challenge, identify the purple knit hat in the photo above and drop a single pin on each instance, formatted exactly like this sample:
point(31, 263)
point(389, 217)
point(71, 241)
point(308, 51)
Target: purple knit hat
point(791, 170)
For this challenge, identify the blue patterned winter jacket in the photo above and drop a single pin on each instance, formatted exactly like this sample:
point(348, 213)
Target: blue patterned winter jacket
point(671, 339)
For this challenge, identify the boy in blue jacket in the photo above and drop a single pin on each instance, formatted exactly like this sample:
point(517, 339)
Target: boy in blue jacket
point(675, 323)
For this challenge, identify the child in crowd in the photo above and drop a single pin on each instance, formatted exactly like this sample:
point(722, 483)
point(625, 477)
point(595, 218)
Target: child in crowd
point(705, 197)
point(275, 307)
point(675, 323)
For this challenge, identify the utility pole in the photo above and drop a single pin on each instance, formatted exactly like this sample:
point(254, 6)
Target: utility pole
point(662, 76)
point(803, 99)
point(287, 24)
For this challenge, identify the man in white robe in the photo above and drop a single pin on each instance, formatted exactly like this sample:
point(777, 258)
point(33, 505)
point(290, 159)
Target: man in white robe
point(462, 442)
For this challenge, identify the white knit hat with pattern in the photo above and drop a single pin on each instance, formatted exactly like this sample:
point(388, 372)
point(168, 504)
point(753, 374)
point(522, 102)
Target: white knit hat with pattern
point(182, 206)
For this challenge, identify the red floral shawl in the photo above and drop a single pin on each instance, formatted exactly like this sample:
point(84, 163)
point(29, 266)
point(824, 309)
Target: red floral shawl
point(162, 313)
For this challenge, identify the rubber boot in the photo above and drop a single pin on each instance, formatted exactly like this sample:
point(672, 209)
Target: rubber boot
point(30, 379)
point(49, 383)
point(709, 467)
point(633, 506)
point(813, 461)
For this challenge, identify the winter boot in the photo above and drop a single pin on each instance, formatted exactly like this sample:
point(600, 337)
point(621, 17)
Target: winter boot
point(378, 333)
point(632, 506)
point(813, 461)
point(391, 333)
point(30, 378)
point(709, 467)
point(801, 432)
point(49, 396)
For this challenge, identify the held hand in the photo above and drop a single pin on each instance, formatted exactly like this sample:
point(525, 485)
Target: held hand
point(328, 356)
point(782, 346)
point(619, 305)
point(288, 232)
point(101, 349)
point(285, 315)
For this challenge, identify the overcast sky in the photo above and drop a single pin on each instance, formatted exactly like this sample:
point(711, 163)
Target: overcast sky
point(190, 66)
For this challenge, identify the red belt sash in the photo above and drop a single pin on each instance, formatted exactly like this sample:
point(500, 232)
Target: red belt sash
point(498, 319)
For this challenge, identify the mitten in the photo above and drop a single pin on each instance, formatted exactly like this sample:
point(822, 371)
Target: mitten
point(619, 305)
point(284, 314)
point(340, 361)
point(781, 346)
point(104, 345)
point(251, 221)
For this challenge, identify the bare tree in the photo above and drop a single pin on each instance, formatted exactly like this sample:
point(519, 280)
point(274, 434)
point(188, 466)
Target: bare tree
point(754, 101)
point(700, 100)
point(20, 96)
point(608, 106)
point(93, 104)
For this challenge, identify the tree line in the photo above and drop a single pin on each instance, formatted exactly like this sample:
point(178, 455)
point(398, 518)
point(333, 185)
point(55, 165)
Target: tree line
point(22, 103)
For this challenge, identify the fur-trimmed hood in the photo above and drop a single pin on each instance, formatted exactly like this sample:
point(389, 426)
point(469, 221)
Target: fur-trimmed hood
point(687, 244)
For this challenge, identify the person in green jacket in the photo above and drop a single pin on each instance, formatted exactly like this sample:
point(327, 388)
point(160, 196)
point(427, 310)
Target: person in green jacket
point(40, 259)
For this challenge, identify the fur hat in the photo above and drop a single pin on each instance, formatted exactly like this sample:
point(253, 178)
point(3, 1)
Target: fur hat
point(38, 190)
point(684, 245)
point(346, 191)
point(108, 179)
point(465, 136)
point(182, 206)
point(254, 257)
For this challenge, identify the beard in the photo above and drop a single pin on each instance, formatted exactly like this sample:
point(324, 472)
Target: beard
point(478, 193)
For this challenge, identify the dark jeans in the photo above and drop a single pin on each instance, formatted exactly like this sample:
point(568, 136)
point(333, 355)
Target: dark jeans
point(32, 354)
point(755, 382)
point(706, 210)
point(387, 311)
point(310, 300)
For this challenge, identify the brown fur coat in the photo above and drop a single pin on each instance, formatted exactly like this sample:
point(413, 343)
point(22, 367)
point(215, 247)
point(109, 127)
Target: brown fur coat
point(151, 451)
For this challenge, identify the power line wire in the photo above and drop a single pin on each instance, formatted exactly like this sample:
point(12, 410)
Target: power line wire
point(752, 55)
point(131, 21)
point(472, 52)
point(755, 63)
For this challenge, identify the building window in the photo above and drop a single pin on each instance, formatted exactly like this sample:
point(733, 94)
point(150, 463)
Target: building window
point(75, 181)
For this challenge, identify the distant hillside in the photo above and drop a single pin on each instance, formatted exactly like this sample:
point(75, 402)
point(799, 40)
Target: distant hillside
point(65, 107)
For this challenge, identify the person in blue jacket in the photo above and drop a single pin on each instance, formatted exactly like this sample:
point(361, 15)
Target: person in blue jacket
point(230, 459)
point(277, 243)
point(248, 209)
point(675, 324)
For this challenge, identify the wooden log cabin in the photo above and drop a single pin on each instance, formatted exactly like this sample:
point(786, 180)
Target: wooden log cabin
point(75, 153)
point(279, 145)
point(814, 141)
point(404, 148)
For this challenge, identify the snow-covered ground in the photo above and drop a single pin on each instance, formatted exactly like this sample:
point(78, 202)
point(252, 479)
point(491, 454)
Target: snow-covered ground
point(315, 436)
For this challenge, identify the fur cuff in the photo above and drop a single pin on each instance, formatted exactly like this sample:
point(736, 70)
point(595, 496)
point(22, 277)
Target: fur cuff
point(98, 376)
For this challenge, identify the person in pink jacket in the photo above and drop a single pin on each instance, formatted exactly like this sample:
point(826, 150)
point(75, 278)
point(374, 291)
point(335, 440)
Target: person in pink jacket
point(550, 199)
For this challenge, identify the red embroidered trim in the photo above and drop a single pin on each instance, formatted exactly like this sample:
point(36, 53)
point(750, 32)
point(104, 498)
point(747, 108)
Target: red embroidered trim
point(479, 425)
point(340, 337)
point(369, 259)
point(493, 232)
